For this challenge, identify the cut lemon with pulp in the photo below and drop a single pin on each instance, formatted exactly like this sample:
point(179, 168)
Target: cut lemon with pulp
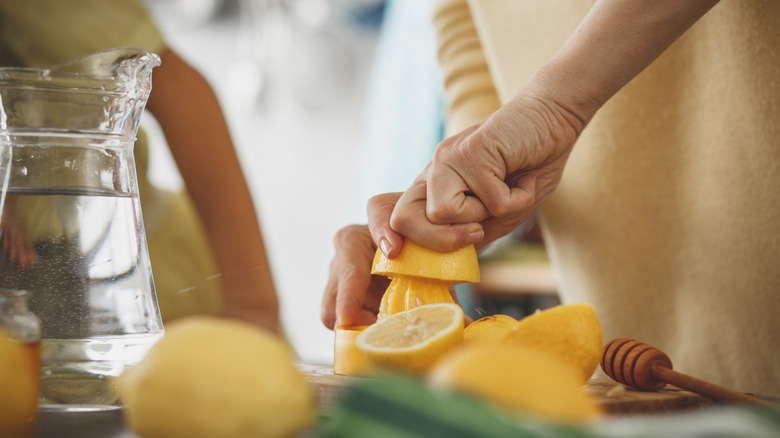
point(572, 332)
point(413, 340)
point(420, 276)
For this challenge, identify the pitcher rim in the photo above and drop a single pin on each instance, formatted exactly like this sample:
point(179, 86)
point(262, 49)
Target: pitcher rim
point(54, 71)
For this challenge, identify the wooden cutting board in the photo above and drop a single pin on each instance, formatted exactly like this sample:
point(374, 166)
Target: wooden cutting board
point(615, 398)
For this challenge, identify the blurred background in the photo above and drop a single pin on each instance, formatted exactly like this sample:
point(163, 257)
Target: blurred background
point(291, 76)
point(330, 102)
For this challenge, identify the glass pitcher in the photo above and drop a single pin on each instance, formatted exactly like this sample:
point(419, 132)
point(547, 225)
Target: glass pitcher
point(70, 218)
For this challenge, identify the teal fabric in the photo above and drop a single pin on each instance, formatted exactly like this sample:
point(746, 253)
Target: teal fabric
point(404, 110)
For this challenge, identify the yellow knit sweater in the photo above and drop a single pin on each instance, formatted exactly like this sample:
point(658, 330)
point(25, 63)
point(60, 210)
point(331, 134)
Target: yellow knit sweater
point(667, 218)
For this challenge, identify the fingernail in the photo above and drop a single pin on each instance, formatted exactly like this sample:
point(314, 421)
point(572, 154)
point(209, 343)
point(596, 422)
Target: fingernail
point(384, 245)
point(475, 237)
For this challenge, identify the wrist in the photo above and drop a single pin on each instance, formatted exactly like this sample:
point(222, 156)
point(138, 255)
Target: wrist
point(554, 86)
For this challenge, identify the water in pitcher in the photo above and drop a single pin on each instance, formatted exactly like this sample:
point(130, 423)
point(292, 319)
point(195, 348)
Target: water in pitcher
point(70, 220)
point(82, 248)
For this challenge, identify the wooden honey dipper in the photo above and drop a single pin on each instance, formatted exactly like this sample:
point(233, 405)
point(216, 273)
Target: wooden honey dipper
point(642, 366)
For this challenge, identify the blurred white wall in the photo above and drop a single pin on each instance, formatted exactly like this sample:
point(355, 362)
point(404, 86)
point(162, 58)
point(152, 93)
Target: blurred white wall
point(293, 93)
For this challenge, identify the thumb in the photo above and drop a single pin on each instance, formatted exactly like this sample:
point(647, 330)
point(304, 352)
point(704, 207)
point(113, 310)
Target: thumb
point(380, 209)
point(522, 194)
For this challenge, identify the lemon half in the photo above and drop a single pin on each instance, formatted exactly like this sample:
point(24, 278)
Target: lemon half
point(420, 276)
point(413, 340)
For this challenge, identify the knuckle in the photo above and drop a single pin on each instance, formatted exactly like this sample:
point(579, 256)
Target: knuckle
point(342, 235)
point(351, 279)
point(348, 272)
point(451, 243)
point(380, 200)
point(398, 221)
point(405, 226)
point(498, 209)
point(346, 235)
point(374, 201)
point(440, 212)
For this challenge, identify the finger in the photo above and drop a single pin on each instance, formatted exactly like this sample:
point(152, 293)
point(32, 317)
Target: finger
point(328, 304)
point(522, 196)
point(365, 317)
point(502, 198)
point(449, 197)
point(352, 286)
point(375, 293)
point(353, 245)
point(380, 209)
point(409, 218)
point(355, 253)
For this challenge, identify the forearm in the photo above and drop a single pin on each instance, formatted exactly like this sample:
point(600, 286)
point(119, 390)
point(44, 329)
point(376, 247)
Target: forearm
point(199, 139)
point(614, 43)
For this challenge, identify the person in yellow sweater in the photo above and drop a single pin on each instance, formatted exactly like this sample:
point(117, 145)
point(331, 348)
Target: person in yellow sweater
point(205, 244)
point(665, 214)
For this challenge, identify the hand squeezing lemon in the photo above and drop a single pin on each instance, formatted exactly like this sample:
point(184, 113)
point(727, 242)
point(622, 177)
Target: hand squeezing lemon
point(418, 276)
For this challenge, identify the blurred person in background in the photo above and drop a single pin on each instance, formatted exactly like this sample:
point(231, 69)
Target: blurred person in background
point(666, 216)
point(206, 246)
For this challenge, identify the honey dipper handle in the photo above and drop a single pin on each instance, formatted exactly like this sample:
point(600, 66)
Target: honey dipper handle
point(704, 388)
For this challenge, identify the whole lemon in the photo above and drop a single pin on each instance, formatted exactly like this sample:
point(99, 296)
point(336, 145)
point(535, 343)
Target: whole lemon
point(18, 387)
point(518, 379)
point(214, 377)
point(571, 331)
point(491, 328)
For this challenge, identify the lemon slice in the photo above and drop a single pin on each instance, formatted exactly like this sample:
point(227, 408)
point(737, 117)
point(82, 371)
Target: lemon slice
point(411, 341)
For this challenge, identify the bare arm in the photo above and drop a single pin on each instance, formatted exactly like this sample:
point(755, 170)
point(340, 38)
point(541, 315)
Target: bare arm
point(614, 43)
point(486, 180)
point(193, 123)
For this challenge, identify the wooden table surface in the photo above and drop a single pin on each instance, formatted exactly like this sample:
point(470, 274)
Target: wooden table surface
point(615, 398)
